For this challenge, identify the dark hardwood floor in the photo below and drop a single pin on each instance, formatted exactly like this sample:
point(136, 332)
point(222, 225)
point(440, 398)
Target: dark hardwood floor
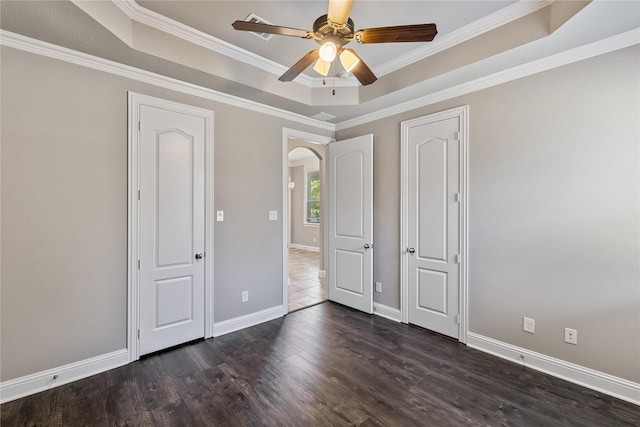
point(322, 366)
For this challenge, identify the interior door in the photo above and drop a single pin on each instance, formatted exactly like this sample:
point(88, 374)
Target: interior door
point(433, 225)
point(171, 228)
point(350, 221)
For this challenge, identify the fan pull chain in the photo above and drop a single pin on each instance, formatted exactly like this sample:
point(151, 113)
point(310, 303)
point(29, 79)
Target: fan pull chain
point(333, 84)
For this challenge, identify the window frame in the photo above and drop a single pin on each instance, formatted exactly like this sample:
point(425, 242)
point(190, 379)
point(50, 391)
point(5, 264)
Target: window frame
point(306, 199)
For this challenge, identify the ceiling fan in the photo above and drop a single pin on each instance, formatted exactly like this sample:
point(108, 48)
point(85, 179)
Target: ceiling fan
point(333, 31)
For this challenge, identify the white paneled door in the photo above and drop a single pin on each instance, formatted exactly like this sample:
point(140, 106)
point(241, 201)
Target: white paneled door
point(350, 219)
point(171, 228)
point(433, 222)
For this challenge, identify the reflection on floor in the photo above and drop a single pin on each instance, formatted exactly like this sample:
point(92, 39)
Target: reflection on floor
point(305, 288)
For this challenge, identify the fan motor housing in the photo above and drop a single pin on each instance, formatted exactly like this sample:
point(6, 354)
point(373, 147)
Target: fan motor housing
point(325, 32)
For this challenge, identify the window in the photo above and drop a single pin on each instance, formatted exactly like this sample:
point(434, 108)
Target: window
point(313, 198)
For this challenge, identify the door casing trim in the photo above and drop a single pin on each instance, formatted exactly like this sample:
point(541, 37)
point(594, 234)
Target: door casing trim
point(463, 114)
point(135, 100)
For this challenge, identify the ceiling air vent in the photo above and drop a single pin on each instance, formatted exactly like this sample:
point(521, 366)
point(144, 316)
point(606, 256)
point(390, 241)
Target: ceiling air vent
point(325, 117)
point(255, 18)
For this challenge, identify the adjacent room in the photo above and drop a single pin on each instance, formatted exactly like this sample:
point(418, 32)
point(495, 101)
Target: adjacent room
point(320, 213)
point(307, 286)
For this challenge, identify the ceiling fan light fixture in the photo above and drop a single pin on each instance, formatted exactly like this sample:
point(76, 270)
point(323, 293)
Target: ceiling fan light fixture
point(322, 67)
point(328, 51)
point(332, 32)
point(348, 60)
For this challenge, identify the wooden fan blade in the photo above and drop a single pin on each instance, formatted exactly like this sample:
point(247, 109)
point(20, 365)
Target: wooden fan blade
point(397, 34)
point(362, 72)
point(259, 27)
point(300, 66)
point(339, 11)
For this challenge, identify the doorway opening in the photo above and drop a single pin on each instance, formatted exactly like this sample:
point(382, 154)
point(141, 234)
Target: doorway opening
point(305, 179)
point(310, 263)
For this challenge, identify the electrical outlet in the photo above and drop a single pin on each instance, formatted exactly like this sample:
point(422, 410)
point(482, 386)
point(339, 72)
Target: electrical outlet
point(570, 336)
point(529, 325)
point(245, 296)
point(378, 287)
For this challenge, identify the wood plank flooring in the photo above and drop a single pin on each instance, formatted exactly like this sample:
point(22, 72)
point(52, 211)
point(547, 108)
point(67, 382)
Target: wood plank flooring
point(325, 365)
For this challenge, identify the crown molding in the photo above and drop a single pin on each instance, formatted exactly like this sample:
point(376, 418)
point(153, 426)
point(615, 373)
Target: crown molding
point(620, 41)
point(49, 50)
point(610, 44)
point(177, 29)
point(160, 22)
point(476, 28)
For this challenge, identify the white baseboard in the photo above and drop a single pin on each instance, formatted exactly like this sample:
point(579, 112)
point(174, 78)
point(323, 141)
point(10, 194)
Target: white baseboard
point(237, 323)
point(595, 380)
point(40, 381)
point(322, 274)
point(304, 247)
point(387, 312)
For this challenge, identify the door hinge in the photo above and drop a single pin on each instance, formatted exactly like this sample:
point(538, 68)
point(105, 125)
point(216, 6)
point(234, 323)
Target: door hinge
point(456, 136)
point(138, 333)
point(457, 259)
point(138, 264)
point(138, 194)
point(457, 319)
point(456, 197)
point(139, 126)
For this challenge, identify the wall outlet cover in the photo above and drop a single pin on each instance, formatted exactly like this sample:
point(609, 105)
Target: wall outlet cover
point(529, 325)
point(571, 336)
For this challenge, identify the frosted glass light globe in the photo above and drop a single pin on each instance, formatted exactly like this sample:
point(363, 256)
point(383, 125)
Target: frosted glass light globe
point(328, 52)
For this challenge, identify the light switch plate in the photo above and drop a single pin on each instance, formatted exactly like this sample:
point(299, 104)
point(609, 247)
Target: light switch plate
point(220, 216)
point(273, 215)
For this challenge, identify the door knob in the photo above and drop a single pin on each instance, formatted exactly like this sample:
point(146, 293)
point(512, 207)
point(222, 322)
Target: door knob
point(411, 250)
point(367, 246)
point(199, 255)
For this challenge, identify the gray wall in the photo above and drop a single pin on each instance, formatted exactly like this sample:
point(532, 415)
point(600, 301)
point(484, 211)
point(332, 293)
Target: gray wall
point(554, 210)
point(64, 210)
point(301, 234)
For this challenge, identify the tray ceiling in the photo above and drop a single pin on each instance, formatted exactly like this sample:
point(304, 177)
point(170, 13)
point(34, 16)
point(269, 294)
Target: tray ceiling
point(193, 41)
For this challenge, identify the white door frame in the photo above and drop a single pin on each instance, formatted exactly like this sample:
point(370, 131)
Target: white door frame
point(315, 139)
point(133, 319)
point(463, 114)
